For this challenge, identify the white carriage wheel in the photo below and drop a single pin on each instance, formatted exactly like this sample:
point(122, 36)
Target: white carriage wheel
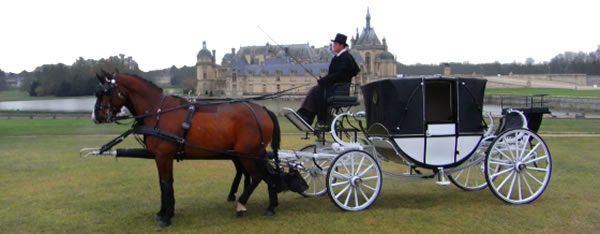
point(314, 174)
point(518, 166)
point(354, 180)
point(473, 177)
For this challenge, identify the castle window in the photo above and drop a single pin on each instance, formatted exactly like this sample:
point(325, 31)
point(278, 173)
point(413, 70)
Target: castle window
point(204, 75)
point(278, 88)
point(368, 61)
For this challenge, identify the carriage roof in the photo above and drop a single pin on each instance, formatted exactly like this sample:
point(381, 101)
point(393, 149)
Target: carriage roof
point(407, 105)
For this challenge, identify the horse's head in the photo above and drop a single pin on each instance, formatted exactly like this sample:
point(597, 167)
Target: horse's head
point(109, 99)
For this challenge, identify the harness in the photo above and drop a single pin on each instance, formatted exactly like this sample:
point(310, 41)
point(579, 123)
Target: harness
point(138, 128)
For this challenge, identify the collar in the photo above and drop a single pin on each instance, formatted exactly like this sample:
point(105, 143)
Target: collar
point(344, 50)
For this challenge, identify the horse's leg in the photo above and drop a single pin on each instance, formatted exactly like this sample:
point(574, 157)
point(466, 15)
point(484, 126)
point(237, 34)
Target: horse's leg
point(259, 172)
point(273, 200)
point(241, 205)
point(239, 170)
point(167, 197)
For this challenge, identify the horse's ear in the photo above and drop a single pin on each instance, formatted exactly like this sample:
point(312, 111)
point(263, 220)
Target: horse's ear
point(106, 74)
point(100, 78)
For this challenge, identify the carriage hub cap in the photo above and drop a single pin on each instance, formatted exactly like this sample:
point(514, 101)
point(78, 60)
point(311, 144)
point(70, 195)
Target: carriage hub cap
point(355, 181)
point(519, 166)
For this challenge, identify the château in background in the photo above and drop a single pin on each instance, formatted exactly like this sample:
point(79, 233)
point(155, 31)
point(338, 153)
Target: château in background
point(256, 70)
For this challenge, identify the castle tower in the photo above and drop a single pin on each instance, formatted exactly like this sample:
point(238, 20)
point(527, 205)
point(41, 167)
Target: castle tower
point(206, 72)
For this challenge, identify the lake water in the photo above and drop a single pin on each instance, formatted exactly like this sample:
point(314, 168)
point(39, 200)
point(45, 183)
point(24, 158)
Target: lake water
point(87, 105)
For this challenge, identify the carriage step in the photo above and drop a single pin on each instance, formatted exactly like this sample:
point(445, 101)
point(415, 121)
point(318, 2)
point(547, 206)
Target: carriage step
point(441, 180)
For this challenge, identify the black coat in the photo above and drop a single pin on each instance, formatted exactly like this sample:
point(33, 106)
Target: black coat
point(341, 69)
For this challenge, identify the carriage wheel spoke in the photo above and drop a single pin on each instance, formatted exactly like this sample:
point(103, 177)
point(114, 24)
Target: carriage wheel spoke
point(342, 191)
point(468, 175)
point(307, 176)
point(527, 183)
point(352, 165)
point(524, 146)
point(345, 167)
point(366, 170)
point(348, 197)
point(505, 180)
point(339, 175)
point(360, 165)
point(533, 177)
point(355, 197)
point(537, 169)
point(370, 178)
point(369, 187)
point(339, 183)
point(320, 183)
point(510, 169)
point(502, 153)
point(459, 174)
point(512, 185)
point(537, 159)
point(501, 162)
point(363, 193)
point(532, 151)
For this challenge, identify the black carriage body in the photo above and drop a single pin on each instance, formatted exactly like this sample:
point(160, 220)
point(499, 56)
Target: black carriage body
point(432, 121)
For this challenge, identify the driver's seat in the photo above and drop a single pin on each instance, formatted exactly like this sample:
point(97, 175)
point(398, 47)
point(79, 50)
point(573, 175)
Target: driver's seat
point(337, 98)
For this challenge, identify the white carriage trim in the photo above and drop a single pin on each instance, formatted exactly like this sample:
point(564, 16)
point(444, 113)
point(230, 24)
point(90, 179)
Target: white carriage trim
point(414, 147)
point(440, 150)
point(441, 129)
point(466, 145)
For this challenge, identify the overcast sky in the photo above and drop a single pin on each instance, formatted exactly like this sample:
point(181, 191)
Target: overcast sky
point(159, 34)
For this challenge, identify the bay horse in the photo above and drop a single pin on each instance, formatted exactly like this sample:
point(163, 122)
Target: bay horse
point(243, 128)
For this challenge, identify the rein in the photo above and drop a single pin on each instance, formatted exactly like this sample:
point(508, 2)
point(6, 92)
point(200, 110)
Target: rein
point(147, 113)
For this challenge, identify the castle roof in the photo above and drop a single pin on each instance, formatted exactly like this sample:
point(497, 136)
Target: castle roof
point(368, 38)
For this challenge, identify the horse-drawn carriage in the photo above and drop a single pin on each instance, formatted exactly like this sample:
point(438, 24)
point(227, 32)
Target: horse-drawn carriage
point(428, 123)
point(432, 124)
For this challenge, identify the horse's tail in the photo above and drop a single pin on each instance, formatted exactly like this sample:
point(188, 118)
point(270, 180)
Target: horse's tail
point(276, 139)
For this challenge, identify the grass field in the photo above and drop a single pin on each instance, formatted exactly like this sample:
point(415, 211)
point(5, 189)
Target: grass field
point(47, 187)
point(551, 92)
point(17, 95)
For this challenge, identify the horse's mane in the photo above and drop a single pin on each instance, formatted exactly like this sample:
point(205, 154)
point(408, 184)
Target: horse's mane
point(144, 80)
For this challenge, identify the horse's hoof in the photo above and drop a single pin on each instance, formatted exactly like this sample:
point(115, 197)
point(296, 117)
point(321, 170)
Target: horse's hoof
point(164, 223)
point(269, 213)
point(231, 198)
point(240, 213)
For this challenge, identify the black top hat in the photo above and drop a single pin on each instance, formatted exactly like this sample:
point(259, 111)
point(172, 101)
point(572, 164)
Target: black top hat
point(340, 38)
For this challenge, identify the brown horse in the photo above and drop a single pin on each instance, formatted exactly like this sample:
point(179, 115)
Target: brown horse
point(240, 127)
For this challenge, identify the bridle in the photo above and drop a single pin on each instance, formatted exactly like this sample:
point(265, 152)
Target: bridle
point(107, 89)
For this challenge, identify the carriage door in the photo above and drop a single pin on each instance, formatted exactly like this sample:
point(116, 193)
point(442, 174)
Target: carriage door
point(440, 110)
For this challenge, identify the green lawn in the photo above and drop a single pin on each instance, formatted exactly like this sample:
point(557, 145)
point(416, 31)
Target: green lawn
point(47, 187)
point(551, 92)
point(16, 94)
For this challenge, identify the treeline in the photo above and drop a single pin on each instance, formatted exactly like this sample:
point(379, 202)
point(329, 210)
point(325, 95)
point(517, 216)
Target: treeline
point(3, 84)
point(565, 63)
point(78, 79)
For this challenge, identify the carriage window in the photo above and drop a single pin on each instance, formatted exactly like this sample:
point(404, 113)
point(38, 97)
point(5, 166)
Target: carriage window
point(439, 101)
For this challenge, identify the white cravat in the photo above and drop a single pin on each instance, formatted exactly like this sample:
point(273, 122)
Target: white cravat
point(338, 54)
